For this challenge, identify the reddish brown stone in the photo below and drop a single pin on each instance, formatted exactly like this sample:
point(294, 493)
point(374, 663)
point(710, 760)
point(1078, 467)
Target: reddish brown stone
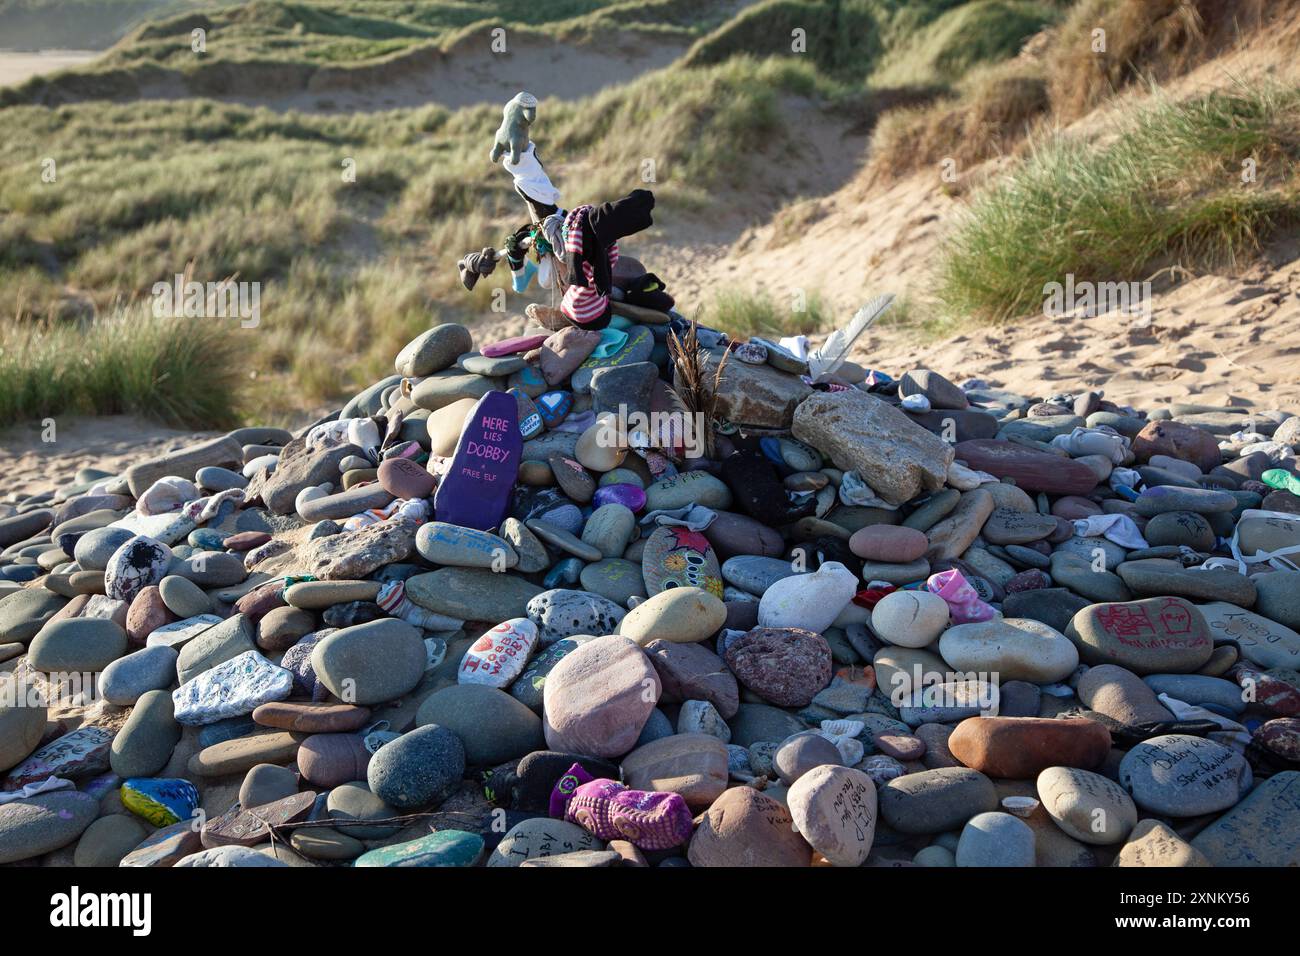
point(403, 478)
point(311, 718)
point(281, 628)
point(784, 665)
point(747, 828)
point(1280, 736)
point(1271, 691)
point(1031, 470)
point(1020, 748)
point(693, 672)
point(329, 760)
point(246, 540)
point(240, 827)
point(261, 600)
point(889, 543)
point(146, 614)
point(693, 765)
point(1184, 442)
point(900, 746)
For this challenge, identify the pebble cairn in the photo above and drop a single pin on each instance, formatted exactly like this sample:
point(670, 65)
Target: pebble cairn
point(650, 597)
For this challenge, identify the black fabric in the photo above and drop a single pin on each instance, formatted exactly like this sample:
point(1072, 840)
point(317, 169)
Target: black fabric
point(648, 291)
point(602, 226)
point(537, 210)
point(514, 251)
point(611, 221)
point(539, 771)
point(758, 491)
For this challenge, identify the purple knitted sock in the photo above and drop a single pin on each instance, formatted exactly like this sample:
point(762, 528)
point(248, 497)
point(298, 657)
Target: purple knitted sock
point(651, 821)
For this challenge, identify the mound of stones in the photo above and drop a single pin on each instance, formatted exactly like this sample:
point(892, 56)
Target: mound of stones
point(845, 621)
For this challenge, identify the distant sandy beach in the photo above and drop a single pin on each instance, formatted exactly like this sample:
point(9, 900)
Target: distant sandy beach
point(17, 66)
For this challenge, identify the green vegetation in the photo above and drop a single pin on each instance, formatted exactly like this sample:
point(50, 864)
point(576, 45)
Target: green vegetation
point(348, 268)
point(883, 43)
point(945, 50)
point(743, 313)
point(1168, 189)
point(180, 371)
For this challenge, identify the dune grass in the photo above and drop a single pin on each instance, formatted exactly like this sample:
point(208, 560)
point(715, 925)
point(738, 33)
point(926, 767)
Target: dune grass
point(349, 270)
point(946, 49)
point(1167, 190)
point(1144, 41)
point(184, 372)
point(743, 313)
point(989, 116)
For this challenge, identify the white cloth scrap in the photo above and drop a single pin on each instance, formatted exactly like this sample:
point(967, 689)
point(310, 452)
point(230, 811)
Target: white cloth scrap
point(1118, 528)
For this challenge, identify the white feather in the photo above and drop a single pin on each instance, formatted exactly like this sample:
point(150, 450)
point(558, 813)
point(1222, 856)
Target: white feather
point(836, 348)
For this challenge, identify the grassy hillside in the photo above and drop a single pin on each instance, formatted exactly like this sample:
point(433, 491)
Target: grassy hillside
point(1170, 189)
point(76, 24)
point(351, 270)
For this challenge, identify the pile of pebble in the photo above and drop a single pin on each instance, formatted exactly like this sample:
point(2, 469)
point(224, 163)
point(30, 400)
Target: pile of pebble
point(469, 620)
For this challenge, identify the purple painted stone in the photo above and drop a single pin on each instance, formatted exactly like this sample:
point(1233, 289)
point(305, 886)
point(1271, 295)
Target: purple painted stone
point(630, 496)
point(475, 492)
point(520, 343)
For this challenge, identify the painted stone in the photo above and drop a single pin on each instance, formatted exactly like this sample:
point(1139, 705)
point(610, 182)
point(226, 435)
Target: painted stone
point(530, 686)
point(162, 801)
point(81, 753)
point(539, 837)
point(1162, 635)
point(248, 827)
point(134, 566)
point(1179, 775)
point(476, 490)
point(678, 557)
point(441, 848)
point(441, 543)
point(1263, 642)
point(231, 689)
point(500, 655)
point(1262, 830)
point(629, 496)
point(834, 809)
point(164, 847)
point(553, 407)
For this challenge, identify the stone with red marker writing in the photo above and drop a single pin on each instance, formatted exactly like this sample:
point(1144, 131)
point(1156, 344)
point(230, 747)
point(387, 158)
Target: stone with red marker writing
point(1160, 635)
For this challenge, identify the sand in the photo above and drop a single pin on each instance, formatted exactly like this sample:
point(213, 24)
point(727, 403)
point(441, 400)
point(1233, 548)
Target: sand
point(31, 465)
point(15, 67)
